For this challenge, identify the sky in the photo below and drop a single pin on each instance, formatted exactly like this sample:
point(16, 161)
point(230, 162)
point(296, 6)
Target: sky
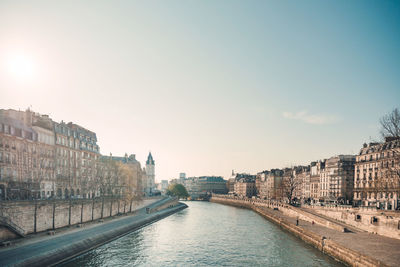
point(207, 86)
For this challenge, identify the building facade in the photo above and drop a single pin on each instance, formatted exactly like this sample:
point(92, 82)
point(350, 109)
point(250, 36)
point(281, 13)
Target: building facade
point(150, 175)
point(377, 175)
point(44, 159)
point(245, 187)
point(336, 179)
point(316, 168)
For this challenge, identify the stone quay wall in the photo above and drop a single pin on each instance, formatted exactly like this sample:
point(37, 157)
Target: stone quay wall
point(386, 223)
point(329, 247)
point(20, 218)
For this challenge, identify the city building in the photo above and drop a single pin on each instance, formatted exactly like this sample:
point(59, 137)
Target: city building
point(200, 187)
point(44, 159)
point(76, 155)
point(22, 160)
point(149, 186)
point(315, 173)
point(120, 176)
point(377, 175)
point(163, 186)
point(336, 179)
point(245, 185)
point(304, 175)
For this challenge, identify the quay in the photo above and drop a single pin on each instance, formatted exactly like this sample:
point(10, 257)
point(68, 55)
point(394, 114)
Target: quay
point(351, 246)
point(54, 249)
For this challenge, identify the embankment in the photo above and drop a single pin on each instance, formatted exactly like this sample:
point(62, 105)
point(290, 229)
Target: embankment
point(20, 218)
point(57, 249)
point(329, 247)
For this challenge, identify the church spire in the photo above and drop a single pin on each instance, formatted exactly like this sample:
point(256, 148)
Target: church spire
point(150, 160)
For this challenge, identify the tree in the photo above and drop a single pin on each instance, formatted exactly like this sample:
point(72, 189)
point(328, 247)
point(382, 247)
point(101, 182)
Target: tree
point(390, 124)
point(177, 190)
point(289, 185)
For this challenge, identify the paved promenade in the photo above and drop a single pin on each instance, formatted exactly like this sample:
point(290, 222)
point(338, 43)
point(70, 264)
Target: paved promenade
point(29, 248)
point(379, 247)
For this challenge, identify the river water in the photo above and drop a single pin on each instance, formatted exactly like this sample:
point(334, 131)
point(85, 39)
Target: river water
point(207, 234)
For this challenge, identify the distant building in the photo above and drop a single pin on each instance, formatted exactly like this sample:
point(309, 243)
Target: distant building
point(315, 172)
point(303, 174)
point(163, 186)
point(149, 186)
point(245, 185)
point(114, 180)
point(199, 187)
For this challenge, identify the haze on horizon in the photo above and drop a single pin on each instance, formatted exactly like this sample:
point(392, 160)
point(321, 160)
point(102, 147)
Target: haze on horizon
point(207, 86)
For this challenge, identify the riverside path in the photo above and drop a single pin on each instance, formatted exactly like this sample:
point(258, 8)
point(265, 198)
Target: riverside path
point(379, 247)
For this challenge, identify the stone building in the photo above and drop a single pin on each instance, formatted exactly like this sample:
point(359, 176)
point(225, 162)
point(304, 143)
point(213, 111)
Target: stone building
point(261, 181)
point(43, 126)
point(377, 174)
point(120, 176)
point(40, 158)
point(200, 187)
point(336, 179)
point(27, 167)
point(302, 176)
point(163, 186)
point(306, 185)
point(20, 158)
point(245, 187)
point(149, 185)
point(274, 184)
point(76, 155)
point(316, 168)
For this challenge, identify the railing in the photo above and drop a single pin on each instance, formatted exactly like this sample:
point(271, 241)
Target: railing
point(12, 226)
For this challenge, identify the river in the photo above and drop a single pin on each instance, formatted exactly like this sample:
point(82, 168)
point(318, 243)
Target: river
point(207, 234)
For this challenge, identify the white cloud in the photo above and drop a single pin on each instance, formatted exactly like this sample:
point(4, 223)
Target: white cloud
point(311, 118)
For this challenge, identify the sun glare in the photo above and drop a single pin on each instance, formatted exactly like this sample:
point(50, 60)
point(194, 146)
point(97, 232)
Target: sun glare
point(21, 67)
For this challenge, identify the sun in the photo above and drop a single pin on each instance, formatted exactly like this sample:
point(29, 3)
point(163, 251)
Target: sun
point(21, 67)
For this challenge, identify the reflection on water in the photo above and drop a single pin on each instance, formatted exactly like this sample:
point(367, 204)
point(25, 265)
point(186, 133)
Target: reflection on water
point(207, 234)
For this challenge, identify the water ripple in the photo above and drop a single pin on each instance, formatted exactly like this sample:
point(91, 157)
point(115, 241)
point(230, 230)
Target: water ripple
point(207, 234)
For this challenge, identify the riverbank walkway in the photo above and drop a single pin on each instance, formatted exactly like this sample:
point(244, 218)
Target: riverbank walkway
point(41, 244)
point(384, 249)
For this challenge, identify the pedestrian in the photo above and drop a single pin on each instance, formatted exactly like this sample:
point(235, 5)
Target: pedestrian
point(297, 221)
point(312, 222)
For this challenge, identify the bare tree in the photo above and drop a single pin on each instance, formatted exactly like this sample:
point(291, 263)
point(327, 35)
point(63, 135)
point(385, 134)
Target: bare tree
point(392, 172)
point(290, 183)
point(390, 124)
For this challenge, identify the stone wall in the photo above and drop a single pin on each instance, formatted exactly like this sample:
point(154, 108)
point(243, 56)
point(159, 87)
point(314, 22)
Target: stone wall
point(329, 247)
point(286, 210)
point(386, 223)
point(33, 217)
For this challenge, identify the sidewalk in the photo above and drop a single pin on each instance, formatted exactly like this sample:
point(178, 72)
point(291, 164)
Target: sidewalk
point(379, 247)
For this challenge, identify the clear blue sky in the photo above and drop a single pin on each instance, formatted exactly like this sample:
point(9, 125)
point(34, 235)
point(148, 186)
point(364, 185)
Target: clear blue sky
point(207, 86)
